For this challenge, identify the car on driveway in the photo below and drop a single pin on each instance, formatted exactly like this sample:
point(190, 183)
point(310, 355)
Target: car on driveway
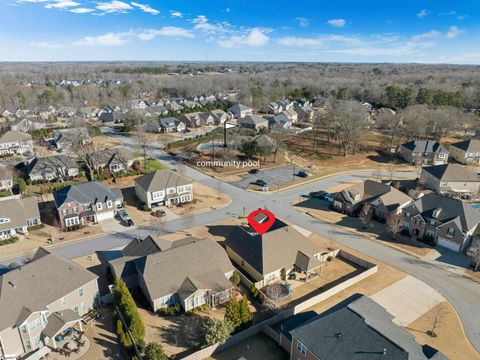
point(318, 194)
point(303, 174)
point(254, 171)
point(261, 182)
point(125, 219)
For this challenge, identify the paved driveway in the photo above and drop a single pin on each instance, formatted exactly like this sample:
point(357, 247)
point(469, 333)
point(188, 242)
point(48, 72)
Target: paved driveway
point(408, 299)
point(273, 177)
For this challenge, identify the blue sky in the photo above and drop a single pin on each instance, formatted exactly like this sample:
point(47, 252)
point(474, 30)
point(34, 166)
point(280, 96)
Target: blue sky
point(241, 30)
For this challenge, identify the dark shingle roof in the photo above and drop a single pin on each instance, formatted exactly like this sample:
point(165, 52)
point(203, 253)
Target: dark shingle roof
point(472, 145)
point(424, 146)
point(465, 216)
point(451, 172)
point(362, 330)
point(51, 164)
point(86, 193)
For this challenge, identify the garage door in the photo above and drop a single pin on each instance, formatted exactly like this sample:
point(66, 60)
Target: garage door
point(448, 244)
point(105, 215)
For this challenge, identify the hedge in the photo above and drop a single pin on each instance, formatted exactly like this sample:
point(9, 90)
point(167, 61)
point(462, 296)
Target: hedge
point(11, 240)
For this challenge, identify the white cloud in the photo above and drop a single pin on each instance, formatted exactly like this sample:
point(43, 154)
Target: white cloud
point(47, 44)
point(303, 22)
point(337, 22)
point(146, 8)
point(150, 34)
point(454, 32)
point(108, 39)
point(114, 6)
point(81, 10)
point(175, 14)
point(422, 13)
point(300, 41)
point(200, 19)
point(227, 10)
point(449, 13)
point(432, 34)
point(255, 37)
point(62, 4)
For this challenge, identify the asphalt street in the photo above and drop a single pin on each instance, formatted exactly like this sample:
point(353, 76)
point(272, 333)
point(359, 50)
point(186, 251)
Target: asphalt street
point(462, 293)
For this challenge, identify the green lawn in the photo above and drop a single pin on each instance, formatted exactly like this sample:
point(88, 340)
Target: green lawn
point(5, 193)
point(154, 165)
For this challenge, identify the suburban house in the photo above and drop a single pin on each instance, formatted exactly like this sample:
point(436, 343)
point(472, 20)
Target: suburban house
point(86, 203)
point(239, 111)
point(72, 137)
point(40, 300)
point(466, 152)
point(305, 113)
point(450, 179)
point(114, 160)
point(17, 215)
point(206, 119)
point(255, 122)
point(384, 199)
point(291, 114)
point(156, 111)
point(362, 329)
point(219, 116)
point(16, 143)
point(6, 178)
point(26, 125)
point(280, 122)
point(444, 221)
point(174, 107)
point(89, 112)
point(190, 272)
point(114, 116)
point(48, 168)
point(191, 120)
point(276, 254)
point(424, 152)
point(171, 124)
point(164, 187)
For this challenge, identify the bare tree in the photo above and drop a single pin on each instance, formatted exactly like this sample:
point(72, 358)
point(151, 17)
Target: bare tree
point(366, 214)
point(438, 316)
point(394, 223)
point(145, 147)
point(352, 119)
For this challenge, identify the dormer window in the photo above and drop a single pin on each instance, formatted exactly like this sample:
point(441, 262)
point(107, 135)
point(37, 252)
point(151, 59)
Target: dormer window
point(450, 232)
point(99, 206)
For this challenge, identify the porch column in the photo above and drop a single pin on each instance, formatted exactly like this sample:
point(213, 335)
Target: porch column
point(54, 342)
point(80, 325)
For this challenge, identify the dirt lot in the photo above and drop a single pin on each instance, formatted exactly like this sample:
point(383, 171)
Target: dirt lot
point(450, 339)
point(205, 199)
point(103, 340)
point(104, 142)
point(179, 335)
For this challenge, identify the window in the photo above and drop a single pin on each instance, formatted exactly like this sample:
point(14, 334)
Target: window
point(75, 309)
point(80, 292)
point(301, 348)
point(36, 340)
point(65, 212)
point(63, 301)
point(32, 222)
point(407, 215)
point(450, 232)
point(75, 210)
point(109, 204)
point(83, 306)
point(28, 344)
point(99, 206)
point(441, 155)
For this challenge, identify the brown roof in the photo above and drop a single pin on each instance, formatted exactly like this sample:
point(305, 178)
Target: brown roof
point(12, 136)
point(18, 211)
point(162, 179)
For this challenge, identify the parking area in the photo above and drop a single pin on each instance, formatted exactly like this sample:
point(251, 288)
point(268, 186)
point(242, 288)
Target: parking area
point(274, 177)
point(408, 299)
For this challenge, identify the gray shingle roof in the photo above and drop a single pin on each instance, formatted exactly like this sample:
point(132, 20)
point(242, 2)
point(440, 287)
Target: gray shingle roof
point(451, 172)
point(50, 164)
point(276, 249)
point(18, 211)
point(203, 261)
point(465, 216)
point(37, 284)
point(13, 136)
point(161, 179)
point(58, 320)
point(362, 330)
point(472, 145)
point(86, 193)
point(424, 146)
point(120, 155)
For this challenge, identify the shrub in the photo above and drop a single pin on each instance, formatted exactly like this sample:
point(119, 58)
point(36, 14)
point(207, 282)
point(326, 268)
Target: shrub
point(11, 240)
point(125, 303)
point(154, 351)
point(22, 185)
point(123, 337)
point(147, 208)
point(254, 291)
point(236, 278)
point(169, 310)
point(216, 331)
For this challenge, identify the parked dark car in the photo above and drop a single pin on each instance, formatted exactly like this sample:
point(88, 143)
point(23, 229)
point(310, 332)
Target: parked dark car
point(318, 194)
point(159, 213)
point(302, 174)
point(261, 182)
point(254, 171)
